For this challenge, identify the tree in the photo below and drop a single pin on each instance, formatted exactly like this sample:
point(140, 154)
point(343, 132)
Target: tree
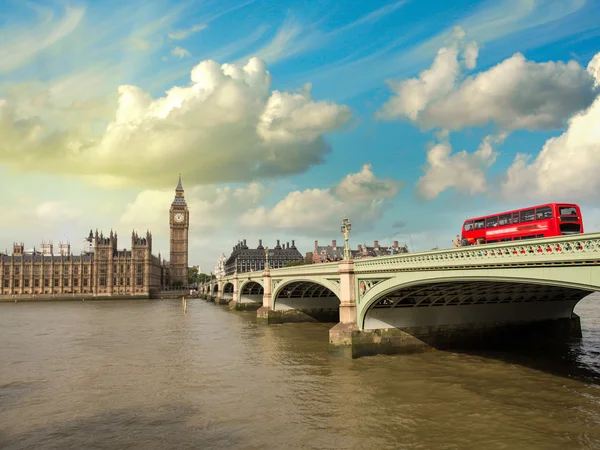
point(177, 285)
point(294, 263)
point(193, 275)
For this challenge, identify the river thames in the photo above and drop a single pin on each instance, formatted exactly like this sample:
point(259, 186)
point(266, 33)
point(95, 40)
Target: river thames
point(142, 375)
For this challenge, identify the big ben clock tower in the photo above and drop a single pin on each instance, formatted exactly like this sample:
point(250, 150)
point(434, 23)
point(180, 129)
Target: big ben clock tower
point(179, 222)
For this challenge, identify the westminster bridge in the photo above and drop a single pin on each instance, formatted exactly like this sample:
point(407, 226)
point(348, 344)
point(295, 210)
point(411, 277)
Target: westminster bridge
point(480, 296)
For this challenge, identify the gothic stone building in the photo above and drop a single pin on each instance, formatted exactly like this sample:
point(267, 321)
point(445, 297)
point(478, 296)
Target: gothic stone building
point(246, 259)
point(102, 269)
point(106, 271)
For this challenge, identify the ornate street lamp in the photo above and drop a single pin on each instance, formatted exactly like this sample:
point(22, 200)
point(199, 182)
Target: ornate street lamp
point(346, 227)
point(267, 258)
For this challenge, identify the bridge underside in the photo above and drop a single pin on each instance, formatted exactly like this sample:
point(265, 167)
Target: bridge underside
point(463, 302)
point(464, 315)
point(250, 297)
point(304, 301)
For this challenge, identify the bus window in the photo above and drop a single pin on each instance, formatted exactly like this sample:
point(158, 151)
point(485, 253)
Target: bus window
point(504, 220)
point(527, 216)
point(492, 242)
point(515, 218)
point(543, 213)
point(491, 222)
point(478, 224)
point(468, 226)
point(505, 239)
point(567, 211)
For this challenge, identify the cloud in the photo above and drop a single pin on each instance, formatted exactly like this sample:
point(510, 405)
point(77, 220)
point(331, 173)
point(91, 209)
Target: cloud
point(225, 126)
point(567, 167)
point(359, 196)
point(56, 211)
point(398, 224)
point(365, 186)
point(182, 34)
point(465, 172)
point(514, 94)
point(181, 52)
point(19, 45)
point(211, 207)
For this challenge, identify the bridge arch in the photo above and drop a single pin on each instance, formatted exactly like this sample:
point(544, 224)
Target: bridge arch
point(251, 292)
point(471, 296)
point(228, 289)
point(314, 297)
point(215, 289)
point(245, 283)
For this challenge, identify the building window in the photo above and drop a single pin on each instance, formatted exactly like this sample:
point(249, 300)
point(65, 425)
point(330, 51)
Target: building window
point(75, 282)
point(7, 271)
point(85, 282)
point(75, 270)
point(114, 281)
point(16, 283)
point(128, 282)
point(5, 283)
point(66, 282)
point(56, 271)
point(114, 268)
point(36, 270)
point(85, 270)
point(102, 275)
point(56, 282)
point(139, 281)
point(26, 270)
point(36, 283)
point(46, 283)
point(17, 270)
point(26, 283)
point(66, 270)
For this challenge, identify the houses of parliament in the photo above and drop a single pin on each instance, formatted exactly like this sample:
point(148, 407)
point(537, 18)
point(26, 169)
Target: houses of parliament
point(102, 269)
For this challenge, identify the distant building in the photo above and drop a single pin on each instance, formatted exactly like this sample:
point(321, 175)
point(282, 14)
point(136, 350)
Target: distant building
point(107, 271)
point(220, 267)
point(246, 259)
point(334, 252)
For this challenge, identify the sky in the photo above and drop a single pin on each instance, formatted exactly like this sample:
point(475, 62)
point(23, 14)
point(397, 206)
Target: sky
point(282, 117)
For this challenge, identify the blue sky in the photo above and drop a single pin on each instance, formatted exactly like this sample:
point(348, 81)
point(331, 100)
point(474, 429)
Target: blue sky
point(407, 116)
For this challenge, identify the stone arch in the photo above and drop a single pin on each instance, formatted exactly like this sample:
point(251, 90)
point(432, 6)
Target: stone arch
point(500, 298)
point(215, 289)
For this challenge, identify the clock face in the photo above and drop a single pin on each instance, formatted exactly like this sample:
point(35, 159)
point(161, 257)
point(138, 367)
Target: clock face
point(178, 217)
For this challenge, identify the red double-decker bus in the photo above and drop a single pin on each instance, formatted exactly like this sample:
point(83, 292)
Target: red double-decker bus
point(552, 219)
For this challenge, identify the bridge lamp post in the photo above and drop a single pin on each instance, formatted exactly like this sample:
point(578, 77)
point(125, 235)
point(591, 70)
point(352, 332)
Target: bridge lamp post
point(346, 227)
point(267, 258)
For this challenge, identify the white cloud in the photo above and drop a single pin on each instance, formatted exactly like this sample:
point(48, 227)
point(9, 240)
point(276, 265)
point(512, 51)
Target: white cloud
point(182, 34)
point(567, 167)
point(365, 186)
point(225, 126)
point(210, 207)
point(181, 52)
point(465, 172)
point(515, 94)
point(360, 196)
point(56, 211)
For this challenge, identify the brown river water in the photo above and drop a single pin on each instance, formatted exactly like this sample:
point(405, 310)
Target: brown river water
point(142, 375)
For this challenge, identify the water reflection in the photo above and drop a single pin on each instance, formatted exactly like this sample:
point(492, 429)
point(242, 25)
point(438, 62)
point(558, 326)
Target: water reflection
point(145, 375)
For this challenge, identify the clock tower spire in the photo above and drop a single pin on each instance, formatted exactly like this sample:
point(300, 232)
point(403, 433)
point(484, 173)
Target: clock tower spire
point(179, 223)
